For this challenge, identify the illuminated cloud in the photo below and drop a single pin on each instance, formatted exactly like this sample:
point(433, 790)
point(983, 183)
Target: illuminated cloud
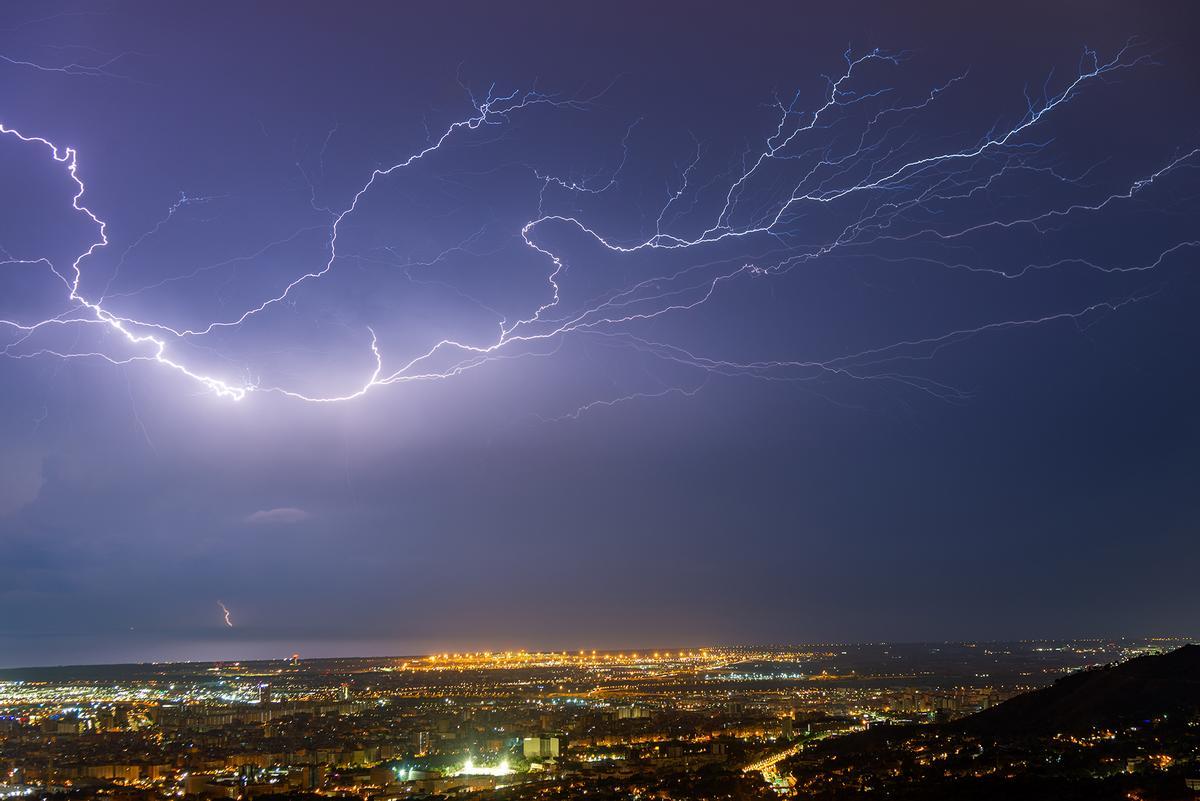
point(282, 514)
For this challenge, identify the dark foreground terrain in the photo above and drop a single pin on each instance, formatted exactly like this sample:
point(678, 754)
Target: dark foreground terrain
point(1128, 731)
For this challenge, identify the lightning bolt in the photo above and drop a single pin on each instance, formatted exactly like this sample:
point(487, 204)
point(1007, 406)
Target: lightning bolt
point(225, 613)
point(846, 179)
point(102, 69)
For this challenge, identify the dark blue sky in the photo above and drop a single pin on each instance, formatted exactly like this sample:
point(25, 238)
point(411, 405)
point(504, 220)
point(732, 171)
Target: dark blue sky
point(846, 344)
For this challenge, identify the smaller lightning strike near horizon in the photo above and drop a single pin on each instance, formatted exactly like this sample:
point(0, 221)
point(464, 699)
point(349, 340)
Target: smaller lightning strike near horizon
point(226, 614)
point(849, 177)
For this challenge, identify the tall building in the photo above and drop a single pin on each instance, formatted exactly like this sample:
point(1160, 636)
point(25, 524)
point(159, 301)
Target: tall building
point(631, 712)
point(264, 693)
point(540, 747)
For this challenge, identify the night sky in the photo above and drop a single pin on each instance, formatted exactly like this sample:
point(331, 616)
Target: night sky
point(673, 324)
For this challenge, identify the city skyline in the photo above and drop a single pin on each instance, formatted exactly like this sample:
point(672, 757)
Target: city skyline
point(799, 721)
point(518, 658)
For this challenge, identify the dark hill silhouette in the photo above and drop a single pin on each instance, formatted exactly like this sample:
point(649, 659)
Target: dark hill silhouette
point(1142, 688)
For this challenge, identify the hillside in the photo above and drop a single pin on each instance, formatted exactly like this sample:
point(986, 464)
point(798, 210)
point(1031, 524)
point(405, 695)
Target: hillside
point(1142, 688)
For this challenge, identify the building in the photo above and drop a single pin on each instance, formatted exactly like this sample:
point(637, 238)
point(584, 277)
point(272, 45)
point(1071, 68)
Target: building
point(540, 747)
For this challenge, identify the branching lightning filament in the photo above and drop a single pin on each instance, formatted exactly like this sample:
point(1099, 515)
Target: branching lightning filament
point(852, 157)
